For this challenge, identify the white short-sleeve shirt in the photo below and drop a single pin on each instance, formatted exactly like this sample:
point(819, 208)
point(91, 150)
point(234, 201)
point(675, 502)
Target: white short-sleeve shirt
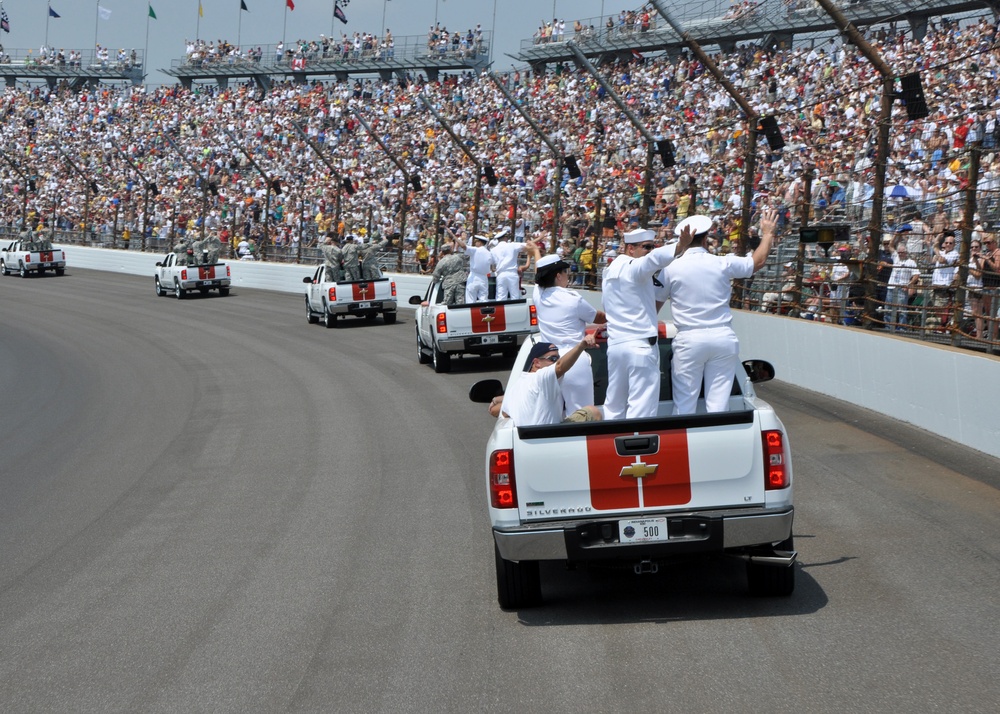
point(699, 285)
point(563, 315)
point(535, 398)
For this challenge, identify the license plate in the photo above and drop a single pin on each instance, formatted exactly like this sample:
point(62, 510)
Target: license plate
point(489, 340)
point(364, 305)
point(206, 282)
point(642, 530)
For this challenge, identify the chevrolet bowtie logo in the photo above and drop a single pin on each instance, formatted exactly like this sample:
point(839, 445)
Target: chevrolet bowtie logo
point(638, 470)
point(364, 292)
point(488, 318)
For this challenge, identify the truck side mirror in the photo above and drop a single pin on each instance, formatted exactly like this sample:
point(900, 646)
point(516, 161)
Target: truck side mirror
point(483, 391)
point(759, 370)
point(308, 280)
point(415, 299)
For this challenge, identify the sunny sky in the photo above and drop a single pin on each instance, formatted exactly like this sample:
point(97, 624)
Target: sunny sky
point(80, 27)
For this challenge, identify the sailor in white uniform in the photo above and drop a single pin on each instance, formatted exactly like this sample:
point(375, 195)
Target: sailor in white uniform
point(699, 286)
point(630, 304)
point(563, 316)
point(505, 260)
point(477, 286)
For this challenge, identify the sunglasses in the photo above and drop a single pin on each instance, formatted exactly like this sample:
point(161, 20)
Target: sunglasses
point(648, 246)
point(550, 358)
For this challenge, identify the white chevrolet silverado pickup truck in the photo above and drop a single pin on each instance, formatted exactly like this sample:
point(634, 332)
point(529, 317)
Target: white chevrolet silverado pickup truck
point(26, 258)
point(480, 328)
point(179, 278)
point(641, 491)
point(328, 300)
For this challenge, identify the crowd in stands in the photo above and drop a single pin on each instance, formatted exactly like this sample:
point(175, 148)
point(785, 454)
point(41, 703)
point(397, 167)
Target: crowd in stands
point(826, 99)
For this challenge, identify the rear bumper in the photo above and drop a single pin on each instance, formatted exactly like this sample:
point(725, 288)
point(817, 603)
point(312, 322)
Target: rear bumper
point(371, 307)
point(210, 284)
point(696, 532)
point(475, 344)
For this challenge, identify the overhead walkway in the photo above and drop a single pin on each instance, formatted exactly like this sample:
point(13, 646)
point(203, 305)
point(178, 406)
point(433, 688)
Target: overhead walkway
point(773, 22)
point(261, 64)
point(88, 70)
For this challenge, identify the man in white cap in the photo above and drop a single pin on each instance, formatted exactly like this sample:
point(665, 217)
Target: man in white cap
point(505, 259)
point(699, 286)
point(563, 316)
point(630, 304)
point(477, 286)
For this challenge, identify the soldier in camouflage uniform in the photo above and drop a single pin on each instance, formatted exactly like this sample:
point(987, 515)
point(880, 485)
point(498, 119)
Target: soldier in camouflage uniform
point(369, 259)
point(213, 246)
point(349, 255)
point(451, 271)
point(332, 255)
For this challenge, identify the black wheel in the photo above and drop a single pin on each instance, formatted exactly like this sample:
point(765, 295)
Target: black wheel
point(3, 268)
point(160, 292)
point(329, 320)
point(60, 271)
point(442, 361)
point(311, 318)
point(178, 291)
point(519, 585)
point(23, 271)
point(772, 580)
point(422, 356)
point(223, 292)
point(389, 317)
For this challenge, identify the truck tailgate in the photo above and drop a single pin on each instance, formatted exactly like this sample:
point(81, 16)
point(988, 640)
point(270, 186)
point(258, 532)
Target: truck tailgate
point(488, 317)
point(677, 463)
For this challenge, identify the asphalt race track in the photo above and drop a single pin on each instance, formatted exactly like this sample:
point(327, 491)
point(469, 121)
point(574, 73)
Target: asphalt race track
point(209, 505)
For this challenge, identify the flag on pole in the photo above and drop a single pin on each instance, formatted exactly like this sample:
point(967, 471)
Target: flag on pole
point(151, 13)
point(339, 14)
point(104, 13)
point(243, 6)
point(291, 5)
point(201, 13)
point(53, 13)
point(4, 22)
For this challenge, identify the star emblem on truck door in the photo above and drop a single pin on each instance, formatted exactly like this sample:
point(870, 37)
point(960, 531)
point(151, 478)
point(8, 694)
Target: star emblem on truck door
point(638, 470)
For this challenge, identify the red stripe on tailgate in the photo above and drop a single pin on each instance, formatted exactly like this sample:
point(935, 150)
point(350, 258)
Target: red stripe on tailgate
point(665, 477)
point(489, 319)
point(363, 291)
point(206, 273)
point(47, 256)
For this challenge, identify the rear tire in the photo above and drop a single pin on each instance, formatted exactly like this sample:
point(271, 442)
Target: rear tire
point(442, 360)
point(389, 318)
point(329, 320)
point(311, 318)
point(223, 292)
point(22, 271)
point(60, 271)
point(772, 580)
point(519, 585)
point(178, 290)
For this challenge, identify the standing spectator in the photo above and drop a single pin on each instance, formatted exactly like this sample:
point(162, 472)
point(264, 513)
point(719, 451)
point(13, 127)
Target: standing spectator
point(903, 282)
point(944, 262)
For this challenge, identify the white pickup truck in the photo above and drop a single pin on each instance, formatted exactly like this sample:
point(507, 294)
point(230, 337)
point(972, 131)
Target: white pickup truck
point(358, 298)
point(480, 328)
point(179, 278)
point(641, 492)
point(25, 258)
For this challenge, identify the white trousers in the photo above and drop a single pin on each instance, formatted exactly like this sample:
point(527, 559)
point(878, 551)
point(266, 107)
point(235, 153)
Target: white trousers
point(711, 355)
point(477, 288)
point(633, 380)
point(509, 285)
point(577, 383)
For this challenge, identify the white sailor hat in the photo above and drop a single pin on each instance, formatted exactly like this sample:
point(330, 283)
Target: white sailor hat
point(548, 264)
point(699, 224)
point(639, 235)
point(482, 239)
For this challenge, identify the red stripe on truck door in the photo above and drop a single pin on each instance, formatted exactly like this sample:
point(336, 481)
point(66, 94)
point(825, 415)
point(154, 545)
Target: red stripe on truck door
point(489, 319)
point(615, 480)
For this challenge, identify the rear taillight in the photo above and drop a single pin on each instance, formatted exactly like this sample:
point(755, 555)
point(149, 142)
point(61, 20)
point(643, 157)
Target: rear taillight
point(228, 274)
point(503, 492)
point(775, 472)
point(184, 275)
point(534, 315)
point(393, 284)
point(442, 323)
point(27, 258)
point(333, 295)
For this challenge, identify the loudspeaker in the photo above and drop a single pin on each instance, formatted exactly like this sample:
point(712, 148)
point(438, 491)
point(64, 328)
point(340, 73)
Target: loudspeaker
point(913, 96)
point(154, 190)
point(32, 186)
point(94, 187)
point(769, 125)
point(214, 190)
point(276, 187)
point(415, 180)
point(571, 166)
point(491, 175)
point(666, 151)
point(348, 186)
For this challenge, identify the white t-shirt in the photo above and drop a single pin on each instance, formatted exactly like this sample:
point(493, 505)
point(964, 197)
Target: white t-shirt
point(699, 285)
point(628, 295)
point(563, 315)
point(535, 398)
point(480, 260)
point(505, 256)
